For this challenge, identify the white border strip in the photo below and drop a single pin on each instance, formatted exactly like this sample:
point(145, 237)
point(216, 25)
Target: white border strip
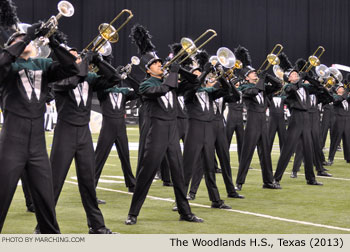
point(231, 210)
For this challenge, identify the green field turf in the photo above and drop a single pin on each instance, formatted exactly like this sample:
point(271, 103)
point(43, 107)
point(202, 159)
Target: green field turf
point(328, 205)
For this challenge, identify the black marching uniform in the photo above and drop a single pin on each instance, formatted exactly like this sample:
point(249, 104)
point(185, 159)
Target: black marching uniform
point(72, 136)
point(299, 127)
point(161, 140)
point(234, 124)
point(341, 126)
point(200, 141)
point(277, 123)
point(256, 132)
point(113, 131)
point(221, 146)
point(24, 85)
point(318, 156)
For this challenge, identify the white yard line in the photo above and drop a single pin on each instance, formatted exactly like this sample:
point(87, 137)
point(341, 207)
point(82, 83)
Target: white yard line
point(232, 210)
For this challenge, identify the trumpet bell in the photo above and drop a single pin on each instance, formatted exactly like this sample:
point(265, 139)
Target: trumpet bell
point(322, 71)
point(273, 59)
point(135, 60)
point(188, 45)
point(213, 60)
point(277, 70)
point(108, 32)
point(226, 57)
point(65, 8)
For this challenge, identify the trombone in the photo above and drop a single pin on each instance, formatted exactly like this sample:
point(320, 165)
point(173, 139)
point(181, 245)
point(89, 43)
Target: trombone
point(272, 58)
point(107, 34)
point(190, 47)
point(314, 60)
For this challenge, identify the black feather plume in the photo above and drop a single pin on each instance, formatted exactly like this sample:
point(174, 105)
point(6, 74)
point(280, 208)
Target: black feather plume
point(202, 58)
point(243, 55)
point(299, 64)
point(284, 62)
point(8, 13)
point(141, 37)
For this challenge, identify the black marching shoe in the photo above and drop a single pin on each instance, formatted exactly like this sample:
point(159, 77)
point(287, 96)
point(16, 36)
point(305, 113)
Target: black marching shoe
point(131, 189)
point(31, 209)
point(327, 163)
point(239, 187)
point(218, 170)
point(175, 209)
point(270, 186)
point(191, 218)
point(235, 195)
point(313, 182)
point(167, 184)
point(294, 175)
point(324, 174)
point(37, 231)
point(102, 230)
point(131, 220)
point(191, 196)
point(101, 202)
point(277, 184)
point(220, 205)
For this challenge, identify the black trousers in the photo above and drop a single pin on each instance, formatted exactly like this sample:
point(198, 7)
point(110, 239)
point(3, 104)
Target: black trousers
point(70, 142)
point(318, 156)
point(23, 146)
point(222, 150)
point(341, 132)
point(235, 126)
point(26, 190)
point(113, 131)
point(277, 125)
point(144, 125)
point(255, 135)
point(200, 145)
point(182, 125)
point(328, 120)
point(162, 139)
point(299, 128)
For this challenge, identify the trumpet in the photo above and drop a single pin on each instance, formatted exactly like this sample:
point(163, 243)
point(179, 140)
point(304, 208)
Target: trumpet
point(190, 47)
point(314, 60)
point(107, 34)
point(41, 48)
point(278, 71)
point(127, 69)
point(272, 58)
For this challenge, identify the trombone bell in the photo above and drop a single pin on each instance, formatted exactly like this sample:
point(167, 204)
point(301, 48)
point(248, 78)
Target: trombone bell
point(108, 32)
point(272, 58)
point(188, 45)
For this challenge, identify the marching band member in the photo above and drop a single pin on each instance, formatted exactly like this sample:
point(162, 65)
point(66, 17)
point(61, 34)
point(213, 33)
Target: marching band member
point(342, 123)
point(113, 131)
point(299, 127)
point(255, 92)
point(72, 136)
point(24, 83)
point(161, 140)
